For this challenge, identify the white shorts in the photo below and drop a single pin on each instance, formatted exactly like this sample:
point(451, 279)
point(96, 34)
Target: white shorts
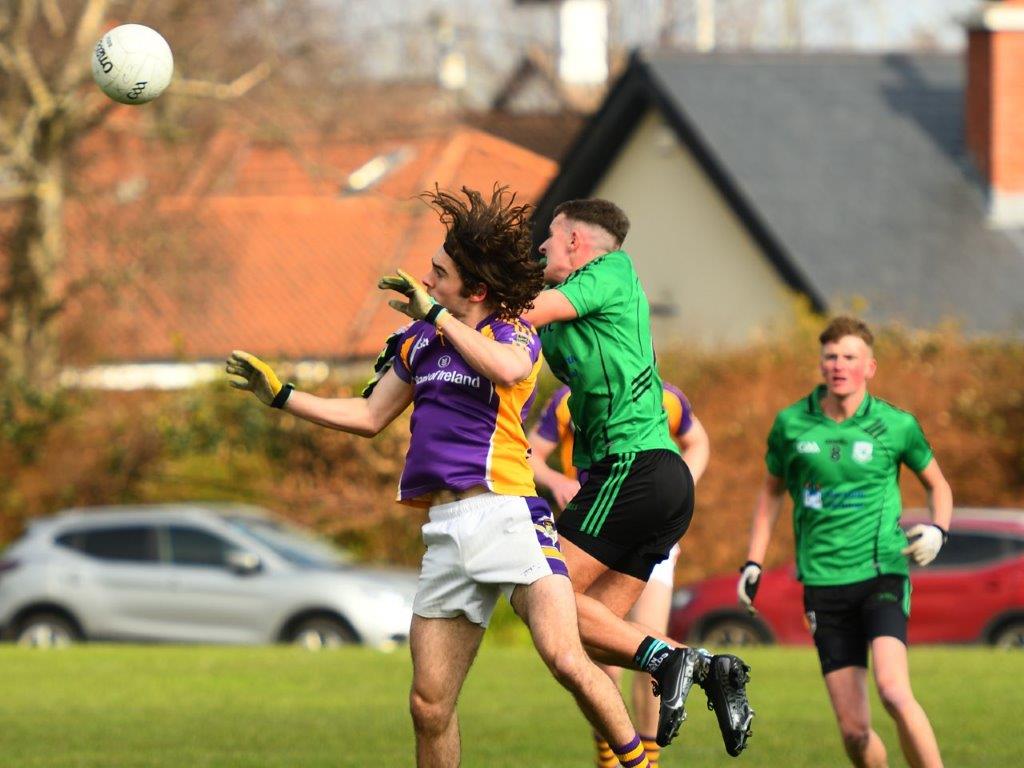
point(665, 571)
point(481, 547)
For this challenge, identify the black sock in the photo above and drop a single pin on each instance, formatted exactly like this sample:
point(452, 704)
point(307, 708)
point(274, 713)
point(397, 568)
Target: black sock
point(651, 653)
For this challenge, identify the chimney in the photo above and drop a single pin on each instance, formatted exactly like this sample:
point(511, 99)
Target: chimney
point(994, 108)
point(583, 33)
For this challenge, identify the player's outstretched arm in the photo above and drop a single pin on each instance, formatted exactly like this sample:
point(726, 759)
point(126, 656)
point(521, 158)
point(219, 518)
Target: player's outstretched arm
point(562, 487)
point(766, 512)
point(364, 416)
point(927, 540)
point(358, 415)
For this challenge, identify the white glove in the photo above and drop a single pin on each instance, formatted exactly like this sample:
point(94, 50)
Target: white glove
point(925, 542)
point(750, 580)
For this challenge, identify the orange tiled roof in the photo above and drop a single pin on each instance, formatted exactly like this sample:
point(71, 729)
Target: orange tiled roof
point(287, 266)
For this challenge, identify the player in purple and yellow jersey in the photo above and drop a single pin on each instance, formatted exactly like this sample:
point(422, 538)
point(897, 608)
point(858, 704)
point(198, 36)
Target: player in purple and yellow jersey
point(554, 430)
point(469, 365)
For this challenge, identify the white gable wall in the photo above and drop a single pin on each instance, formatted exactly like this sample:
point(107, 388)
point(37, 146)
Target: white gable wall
point(708, 281)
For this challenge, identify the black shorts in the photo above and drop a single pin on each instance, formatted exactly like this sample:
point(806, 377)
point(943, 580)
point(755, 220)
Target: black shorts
point(845, 619)
point(631, 509)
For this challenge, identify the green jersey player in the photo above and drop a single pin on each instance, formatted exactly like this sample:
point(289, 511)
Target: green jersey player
point(636, 496)
point(838, 453)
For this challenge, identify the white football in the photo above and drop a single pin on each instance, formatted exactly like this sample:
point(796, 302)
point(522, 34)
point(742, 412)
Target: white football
point(132, 64)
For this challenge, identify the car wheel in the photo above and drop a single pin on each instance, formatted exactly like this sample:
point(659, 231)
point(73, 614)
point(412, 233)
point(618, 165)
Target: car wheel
point(732, 630)
point(1010, 636)
point(46, 630)
point(322, 632)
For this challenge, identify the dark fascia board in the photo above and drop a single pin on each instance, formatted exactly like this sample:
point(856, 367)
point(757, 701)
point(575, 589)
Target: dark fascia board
point(601, 139)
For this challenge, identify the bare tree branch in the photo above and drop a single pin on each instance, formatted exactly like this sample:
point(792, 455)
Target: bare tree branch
point(26, 65)
point(7, 137)
point(86, 117)
point(47, 112)
point(236, 88)
point(54, 18)
point(19, 58)
point(16, 192)
point(22, 165)
point(86, 33)
point(7, 61)
point(22, 149)
point(25, 19)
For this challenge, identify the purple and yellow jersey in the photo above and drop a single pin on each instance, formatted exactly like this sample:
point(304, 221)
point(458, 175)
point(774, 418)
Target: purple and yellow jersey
point(555, 424)
point(465, 430)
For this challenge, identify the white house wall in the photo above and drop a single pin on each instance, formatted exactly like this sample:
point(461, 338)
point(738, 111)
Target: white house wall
point(707, 279)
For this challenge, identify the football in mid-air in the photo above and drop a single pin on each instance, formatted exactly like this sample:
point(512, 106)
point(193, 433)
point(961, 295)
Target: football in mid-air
point(132, 64)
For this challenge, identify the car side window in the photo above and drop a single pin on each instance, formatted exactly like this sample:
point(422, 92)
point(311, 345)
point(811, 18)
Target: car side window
point(135, 543)
point(193, 546)
point(966, 549)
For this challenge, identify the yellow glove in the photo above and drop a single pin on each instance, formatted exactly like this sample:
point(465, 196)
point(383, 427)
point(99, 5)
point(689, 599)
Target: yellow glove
point(260, 378)
point(420, 305)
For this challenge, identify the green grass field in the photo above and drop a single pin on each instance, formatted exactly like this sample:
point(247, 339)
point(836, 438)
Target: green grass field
point(110, 706)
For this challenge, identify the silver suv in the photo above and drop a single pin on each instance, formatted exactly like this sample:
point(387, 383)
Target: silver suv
point(205, 573)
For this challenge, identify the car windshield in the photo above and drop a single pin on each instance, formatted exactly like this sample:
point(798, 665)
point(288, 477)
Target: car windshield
point(292, 543)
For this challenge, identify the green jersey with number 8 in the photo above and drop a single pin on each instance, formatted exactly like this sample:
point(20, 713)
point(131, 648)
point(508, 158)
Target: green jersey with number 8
point(843, 478)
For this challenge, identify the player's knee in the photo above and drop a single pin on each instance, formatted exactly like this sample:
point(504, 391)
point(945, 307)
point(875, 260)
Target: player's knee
point(895, 696)
point(430, 716)
point(856, 736)
point(568, 665)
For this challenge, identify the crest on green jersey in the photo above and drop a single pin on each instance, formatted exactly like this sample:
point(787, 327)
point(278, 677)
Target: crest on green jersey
point(862, 451)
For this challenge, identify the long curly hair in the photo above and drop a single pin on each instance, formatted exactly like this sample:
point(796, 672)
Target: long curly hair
point(491, 245)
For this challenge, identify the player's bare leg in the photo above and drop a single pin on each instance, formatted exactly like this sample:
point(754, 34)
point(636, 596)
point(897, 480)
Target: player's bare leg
point(442, 653)
point(892, 677)
point(847, 688)
point(548, 608)
point(605, 758)
point(651, 610)
point(604, 597)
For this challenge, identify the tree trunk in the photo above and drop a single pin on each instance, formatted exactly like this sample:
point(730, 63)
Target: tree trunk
point(29, 338)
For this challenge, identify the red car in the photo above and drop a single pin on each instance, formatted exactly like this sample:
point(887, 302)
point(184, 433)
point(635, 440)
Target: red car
point(973, 592)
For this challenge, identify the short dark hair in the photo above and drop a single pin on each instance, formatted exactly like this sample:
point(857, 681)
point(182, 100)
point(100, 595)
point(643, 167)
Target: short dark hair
point(602, 213)
point(491, 245)
point(841, 326)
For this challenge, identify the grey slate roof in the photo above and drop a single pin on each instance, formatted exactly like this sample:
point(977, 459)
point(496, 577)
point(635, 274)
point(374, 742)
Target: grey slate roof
point(855, 165)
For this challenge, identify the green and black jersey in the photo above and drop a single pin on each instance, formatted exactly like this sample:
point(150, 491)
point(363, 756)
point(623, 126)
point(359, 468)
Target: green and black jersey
point(606, 357)
point(844, 481)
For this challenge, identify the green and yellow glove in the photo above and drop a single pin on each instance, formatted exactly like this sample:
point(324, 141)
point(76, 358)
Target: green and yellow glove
point(420, 305)
point(260, 378)
point(385, 360)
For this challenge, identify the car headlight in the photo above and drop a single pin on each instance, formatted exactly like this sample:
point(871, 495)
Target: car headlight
point(682, 598)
